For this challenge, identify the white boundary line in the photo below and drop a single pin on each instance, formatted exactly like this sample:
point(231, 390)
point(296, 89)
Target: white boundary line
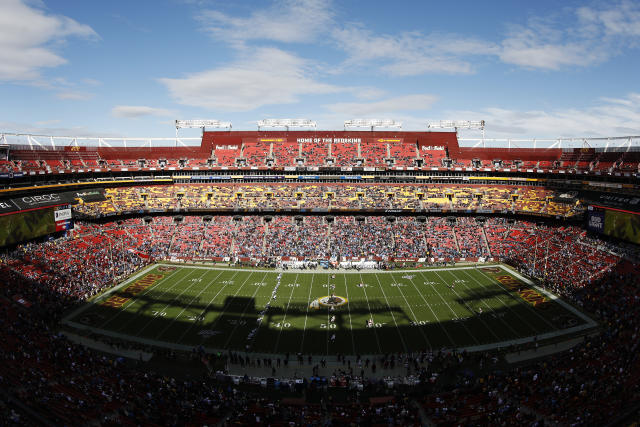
point(415, 319)
point(284, 318)
point(306, 315)
point(484, 347)
point(404, 344)
point(204, 310)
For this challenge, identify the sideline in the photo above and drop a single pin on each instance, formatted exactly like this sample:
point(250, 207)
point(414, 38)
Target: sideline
point(589, 323)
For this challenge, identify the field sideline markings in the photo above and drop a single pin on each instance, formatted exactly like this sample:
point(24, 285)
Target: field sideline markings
point(285, 313)
point(341, 271)
point(125, 307)
point(522, 302)
point(93, 302)
point(404, 344)
point(589, 321)
point(452, 310)
point(306, 316)
point(415, 319)
point(170, 303)
point(190, 302)
point(364, 289)
point(507, 306)
point(473, 348)
point(205, 309)
point(243, 312)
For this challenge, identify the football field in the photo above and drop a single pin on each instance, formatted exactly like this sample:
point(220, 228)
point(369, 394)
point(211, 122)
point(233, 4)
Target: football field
point(326, 312)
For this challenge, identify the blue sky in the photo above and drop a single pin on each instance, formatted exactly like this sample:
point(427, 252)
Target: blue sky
point(129, 68)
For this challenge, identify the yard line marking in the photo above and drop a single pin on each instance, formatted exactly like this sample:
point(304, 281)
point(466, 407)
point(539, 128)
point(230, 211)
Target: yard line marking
point(415, 319)
point(404, 345)
point(328, 330)
point(285, 315)
point(427, 304)
point(133, 300)
point(472, 311)
point(169, 304)
point(503, 303)
point(243, 312)
point(589, 322)
point(187, 306)
point(364, 289)
point(219, 316)
point(520, 301)
point(452, 310)
point(207, 306)
point(306, 315)
point(346, 289)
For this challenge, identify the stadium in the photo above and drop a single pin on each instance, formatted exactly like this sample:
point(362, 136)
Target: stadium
point(375, 277)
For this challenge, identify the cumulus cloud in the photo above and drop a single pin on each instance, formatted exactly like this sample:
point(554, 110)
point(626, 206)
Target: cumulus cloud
point(410, 53)
point(136, 111)
point(287, 21)
point(606, 117)
point(268, 76)
point(581, 37)
point(74, 96)
point(28, 37)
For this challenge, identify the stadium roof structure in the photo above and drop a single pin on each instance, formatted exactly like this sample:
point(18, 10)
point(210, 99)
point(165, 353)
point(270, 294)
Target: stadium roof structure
point(39, 141)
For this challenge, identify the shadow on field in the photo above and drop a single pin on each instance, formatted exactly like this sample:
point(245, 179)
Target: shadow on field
point(174, 318)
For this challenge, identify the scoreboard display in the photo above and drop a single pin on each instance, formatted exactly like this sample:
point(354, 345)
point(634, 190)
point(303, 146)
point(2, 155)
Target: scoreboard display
point(23, 226)
point(618, 223)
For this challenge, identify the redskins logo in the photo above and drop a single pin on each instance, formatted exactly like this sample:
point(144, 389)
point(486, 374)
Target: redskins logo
point(328, 301)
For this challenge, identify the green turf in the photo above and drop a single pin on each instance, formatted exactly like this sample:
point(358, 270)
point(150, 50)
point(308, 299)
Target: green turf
point(411, 310)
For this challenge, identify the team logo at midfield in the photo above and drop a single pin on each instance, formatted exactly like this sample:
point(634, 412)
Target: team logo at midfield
point(166, 268)
point(328, 301)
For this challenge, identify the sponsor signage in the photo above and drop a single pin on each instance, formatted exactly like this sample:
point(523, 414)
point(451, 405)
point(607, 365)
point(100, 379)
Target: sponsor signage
point(62, 214)
point(88, 196)
point(7, 206)
point(42, 200)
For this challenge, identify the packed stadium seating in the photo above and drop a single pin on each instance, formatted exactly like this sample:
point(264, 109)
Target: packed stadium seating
point(532, 200)
point(46, 378)
point(67, 383)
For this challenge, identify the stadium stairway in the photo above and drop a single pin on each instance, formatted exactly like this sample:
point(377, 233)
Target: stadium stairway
point(455, 239)
point(485, 240)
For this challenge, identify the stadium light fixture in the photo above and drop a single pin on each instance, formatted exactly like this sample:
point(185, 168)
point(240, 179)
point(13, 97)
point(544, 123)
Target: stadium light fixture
point(286, 123)
point(202, 124)
point(372, 124)
point(458, 124)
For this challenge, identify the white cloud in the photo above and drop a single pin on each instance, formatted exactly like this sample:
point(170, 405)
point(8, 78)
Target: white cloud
point(383, 107)
point(135, 111)
point(606, 117)
point(410, 53)
point(585, 36)
point(268, 76)
point(287, 21)
point(74, 96)
point(28, 36)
